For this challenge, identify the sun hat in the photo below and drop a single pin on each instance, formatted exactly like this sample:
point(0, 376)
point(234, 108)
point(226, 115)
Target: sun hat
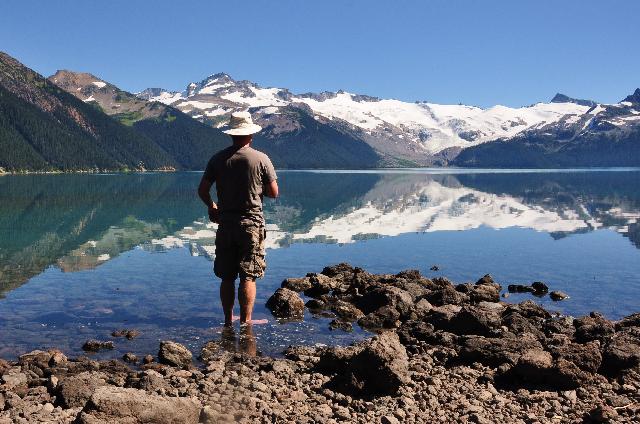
point(241, 124)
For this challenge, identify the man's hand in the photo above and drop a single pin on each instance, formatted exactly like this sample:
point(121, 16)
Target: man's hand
point(213, 213)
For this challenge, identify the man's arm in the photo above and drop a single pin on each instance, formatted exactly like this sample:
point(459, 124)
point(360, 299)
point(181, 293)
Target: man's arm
point(204, 192)
point(271, 189)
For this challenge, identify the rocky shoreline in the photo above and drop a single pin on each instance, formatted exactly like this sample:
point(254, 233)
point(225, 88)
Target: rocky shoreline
point(441, 353)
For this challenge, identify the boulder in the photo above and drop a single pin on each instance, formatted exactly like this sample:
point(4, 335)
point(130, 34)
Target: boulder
point(622, 351)
point(392, 297)
point(471, 320)
point(518, 324)
point(379, 367)
point(593, 327)
point(529, 309)
point(446, 295)
point(630, 321)
point(585, 356)
point(320, 285)
point(75, 390)
point(285, 303)
point(127, 405)
point(174, 354)
point(484, 293)
point(346, 311)
point(384, 317)
point(494, 352)
point(342, 271)
point(297, 284)
point(533, 365)
point(13, 379)
point(315, 305)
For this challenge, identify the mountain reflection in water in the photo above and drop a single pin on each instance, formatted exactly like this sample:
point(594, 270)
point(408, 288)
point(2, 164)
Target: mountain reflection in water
point(78, 222)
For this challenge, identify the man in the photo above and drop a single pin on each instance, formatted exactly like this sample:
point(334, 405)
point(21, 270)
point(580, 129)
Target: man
point(242, 176)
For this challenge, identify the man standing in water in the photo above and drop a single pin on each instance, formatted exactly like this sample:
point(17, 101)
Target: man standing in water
point(242, 176)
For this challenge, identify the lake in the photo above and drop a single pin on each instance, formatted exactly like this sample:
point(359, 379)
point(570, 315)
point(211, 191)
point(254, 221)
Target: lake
point(83, 255)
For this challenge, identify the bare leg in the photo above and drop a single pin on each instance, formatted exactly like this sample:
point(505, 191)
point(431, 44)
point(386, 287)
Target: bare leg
point(227, 298)
point(246, 297)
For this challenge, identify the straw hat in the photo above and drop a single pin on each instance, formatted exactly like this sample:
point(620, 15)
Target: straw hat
point(241, 124)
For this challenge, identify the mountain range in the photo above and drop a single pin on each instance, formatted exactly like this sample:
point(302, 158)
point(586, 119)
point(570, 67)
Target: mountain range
point(76, 121)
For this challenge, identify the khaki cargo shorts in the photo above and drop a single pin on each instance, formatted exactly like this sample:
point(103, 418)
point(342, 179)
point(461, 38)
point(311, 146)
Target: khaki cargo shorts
point(240, 250)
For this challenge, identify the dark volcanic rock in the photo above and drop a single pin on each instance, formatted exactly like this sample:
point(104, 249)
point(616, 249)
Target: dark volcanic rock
point(378, 367)
point(484, 293)
point(285, 303)
point(586, 356)
point(593, 327)
point(446, 295)
point(320, 285)
point(471, 320)
point(297, 284)
point(497, 351)
point(630, 321)
point(539, 287)
point(518, 324)
point(174, 354)
point(346, 311)
point(390, 296)
point(622, 351)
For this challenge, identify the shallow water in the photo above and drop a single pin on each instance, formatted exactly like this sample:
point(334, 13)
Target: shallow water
point(83, 255)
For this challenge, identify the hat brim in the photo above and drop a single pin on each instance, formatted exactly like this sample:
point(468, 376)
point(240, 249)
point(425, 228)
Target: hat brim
point(245, 130)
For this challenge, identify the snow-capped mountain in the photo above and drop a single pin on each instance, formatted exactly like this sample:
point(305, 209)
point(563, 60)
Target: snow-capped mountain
point(604, 135)
point(415, 132)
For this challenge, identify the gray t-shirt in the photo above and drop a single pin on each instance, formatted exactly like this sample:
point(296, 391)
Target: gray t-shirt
point(240, 175)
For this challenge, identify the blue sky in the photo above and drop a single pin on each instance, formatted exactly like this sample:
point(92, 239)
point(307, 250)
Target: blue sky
point(475, 52)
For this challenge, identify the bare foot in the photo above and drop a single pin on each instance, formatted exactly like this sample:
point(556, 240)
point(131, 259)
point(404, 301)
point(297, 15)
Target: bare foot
point(233, 319)
point(255, 322)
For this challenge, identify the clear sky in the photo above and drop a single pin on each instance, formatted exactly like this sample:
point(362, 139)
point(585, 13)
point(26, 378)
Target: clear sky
point(512, 52)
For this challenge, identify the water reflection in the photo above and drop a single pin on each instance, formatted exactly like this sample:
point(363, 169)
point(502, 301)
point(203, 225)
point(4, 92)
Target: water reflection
point(79, 222)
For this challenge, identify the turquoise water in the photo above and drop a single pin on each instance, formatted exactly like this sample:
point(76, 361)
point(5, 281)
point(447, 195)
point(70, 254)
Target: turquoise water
point(83, 255)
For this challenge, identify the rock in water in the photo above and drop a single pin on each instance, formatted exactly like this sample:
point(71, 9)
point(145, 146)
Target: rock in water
point(175, 354)
point(96, 345)
point(539, 287)
point(285, 303)
point(125, 405)
point(297, 284)
point(130, 358)
point(557, 295)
